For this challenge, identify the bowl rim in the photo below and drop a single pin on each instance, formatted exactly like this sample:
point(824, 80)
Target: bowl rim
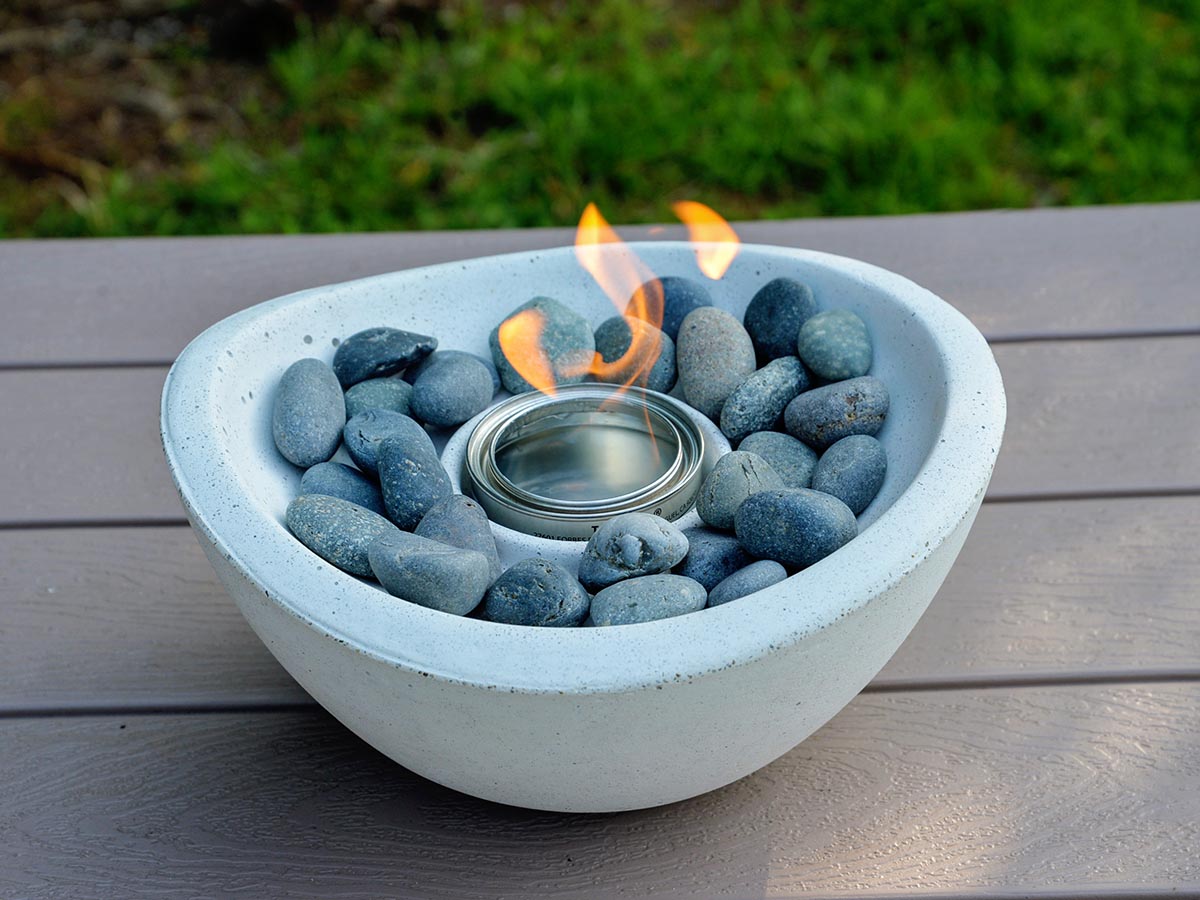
point(946, 489)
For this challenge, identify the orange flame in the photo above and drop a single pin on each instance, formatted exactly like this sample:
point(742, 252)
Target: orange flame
point(633, 289)
point(520, 338)
point(625, 279)
point(622, 277)
point(619, 274)
point(706, 226)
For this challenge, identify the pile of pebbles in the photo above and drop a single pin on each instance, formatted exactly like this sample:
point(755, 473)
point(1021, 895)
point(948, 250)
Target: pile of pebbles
point(789, 385)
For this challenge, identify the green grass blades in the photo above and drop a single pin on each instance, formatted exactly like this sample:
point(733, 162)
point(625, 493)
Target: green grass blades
point(520, 115)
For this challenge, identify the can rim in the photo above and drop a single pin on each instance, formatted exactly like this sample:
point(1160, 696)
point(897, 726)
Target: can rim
point(669, 495)
point(620, 403)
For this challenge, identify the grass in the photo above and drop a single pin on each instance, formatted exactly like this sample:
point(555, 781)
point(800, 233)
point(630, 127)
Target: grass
point(519, 117)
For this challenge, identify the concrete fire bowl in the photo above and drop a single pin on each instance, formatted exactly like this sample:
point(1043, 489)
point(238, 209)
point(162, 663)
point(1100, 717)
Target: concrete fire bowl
point(585, 719)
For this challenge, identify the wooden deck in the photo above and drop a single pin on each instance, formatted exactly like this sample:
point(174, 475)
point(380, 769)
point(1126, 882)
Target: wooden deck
point(1038, 735)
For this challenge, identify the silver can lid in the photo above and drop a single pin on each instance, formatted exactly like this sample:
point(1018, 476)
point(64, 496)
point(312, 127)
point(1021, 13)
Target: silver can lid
point(558, 466)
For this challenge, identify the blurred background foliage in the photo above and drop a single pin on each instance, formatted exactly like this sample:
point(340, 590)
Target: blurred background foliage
point(178, 117)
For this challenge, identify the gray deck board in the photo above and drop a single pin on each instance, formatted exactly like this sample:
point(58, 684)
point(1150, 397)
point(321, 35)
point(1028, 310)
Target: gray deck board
point(83, 446)
point(134, 617)
point(1035, 737)
point(1087, 417)
point(1066, 791)
point(1015, 273)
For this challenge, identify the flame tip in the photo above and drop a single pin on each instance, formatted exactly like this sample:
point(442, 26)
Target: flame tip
point(706, 225)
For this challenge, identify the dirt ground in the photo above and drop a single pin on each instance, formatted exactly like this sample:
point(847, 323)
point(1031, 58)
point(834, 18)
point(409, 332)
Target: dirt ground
point(85, 86)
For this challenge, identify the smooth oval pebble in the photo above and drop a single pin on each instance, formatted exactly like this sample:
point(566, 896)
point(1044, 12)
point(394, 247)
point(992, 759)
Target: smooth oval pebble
point(713, 355)
point(630, 545)
point(451, 390)
point(757, 403)
point(679, 296)
point(775, 314)
point(365, 432)
point(825, 415)
point(736, 476)
point(566, 339)
point(307, 417)
point(461, 522)
point(537, 592)
point(338, 480)
point(614, 337)
point(377, 352)
point(852, 470)
point(338, 531)
point(712, 556)
point(412, 373)
point(429, 573)
point(411, 477)
point(793, 460)
point(836, 345)
point(392, 394)
point(646, 599)
point(744, 582)
point(796, 527)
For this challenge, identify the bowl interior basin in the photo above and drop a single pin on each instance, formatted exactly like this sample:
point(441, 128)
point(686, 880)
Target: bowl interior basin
point(942, 435)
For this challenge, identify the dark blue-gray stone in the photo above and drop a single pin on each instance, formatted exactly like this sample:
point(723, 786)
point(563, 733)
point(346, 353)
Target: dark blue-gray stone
point(429, 573)
point(377, 352)
point(308, 415)
point(735, 477)
point(775, 315)
point(743, 582)
point(364, 433)
point(712, 556)
point(852, 470)
point(713, 355)
point(646, 599)
point(792, 460)
point(836, 345)
point(338, 531)
point(392, 394)
point(757, 403)
point(411, 477)
point(451, 390)
point(537, 592)
point(825, 415)
point(630, 545)
point(461, 522)
point(796, 527)
point(614, 337)
point(679, 296)
point(337, 480)
point(566, 339)
point(413, 373)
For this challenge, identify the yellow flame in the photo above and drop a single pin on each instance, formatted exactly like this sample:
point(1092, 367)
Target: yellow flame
point(706, 226)
point(520, 338)
point(619, 274)
point(626, 280)
point(633, 289)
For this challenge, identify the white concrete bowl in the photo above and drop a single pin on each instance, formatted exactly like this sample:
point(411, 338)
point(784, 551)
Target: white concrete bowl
point(587, 719)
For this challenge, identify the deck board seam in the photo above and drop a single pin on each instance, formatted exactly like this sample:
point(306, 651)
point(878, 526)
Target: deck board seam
point(1087, 893)
point(1020, 337)
point(1133, 493)
point(1084, 336)
point(928, 686)
point(1181, 492)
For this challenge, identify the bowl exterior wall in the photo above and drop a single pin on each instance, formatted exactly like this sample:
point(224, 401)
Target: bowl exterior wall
point(603, 751)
